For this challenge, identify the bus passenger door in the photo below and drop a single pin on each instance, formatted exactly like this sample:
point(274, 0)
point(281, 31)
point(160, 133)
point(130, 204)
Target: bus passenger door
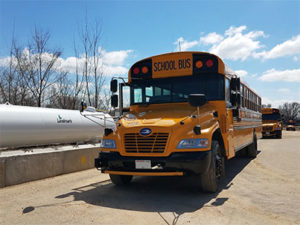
point(229, 120)
point(229, 131)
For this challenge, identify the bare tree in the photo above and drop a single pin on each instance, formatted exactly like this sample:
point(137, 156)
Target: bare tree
point(35, 64)
point(92, 69)
point(12, 86)
point(290, 111)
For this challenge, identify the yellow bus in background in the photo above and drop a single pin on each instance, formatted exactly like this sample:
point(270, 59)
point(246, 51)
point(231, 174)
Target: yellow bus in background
point(272, 122)
point(188, 114)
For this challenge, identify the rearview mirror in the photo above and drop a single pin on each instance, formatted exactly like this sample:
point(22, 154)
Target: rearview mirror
point(114, 85)
point(114, 101)
point(197, 100)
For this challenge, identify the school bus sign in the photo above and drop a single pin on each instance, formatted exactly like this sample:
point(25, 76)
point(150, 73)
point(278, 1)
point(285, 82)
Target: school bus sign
point(173, 65)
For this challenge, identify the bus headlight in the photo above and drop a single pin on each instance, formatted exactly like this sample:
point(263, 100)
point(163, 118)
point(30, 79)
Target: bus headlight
point(193, 143)
point(108, 143)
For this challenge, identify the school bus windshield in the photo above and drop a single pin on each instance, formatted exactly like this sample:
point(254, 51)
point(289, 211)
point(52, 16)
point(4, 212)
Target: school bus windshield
point(274, 116)
point(177, 89)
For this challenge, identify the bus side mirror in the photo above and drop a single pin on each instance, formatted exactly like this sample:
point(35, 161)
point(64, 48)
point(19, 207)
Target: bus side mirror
point(235, 83)
point(82, 106)
point(197, 100)
point(114, 101)
point(114, 85)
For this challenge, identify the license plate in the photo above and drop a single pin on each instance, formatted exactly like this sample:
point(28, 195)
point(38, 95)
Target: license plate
point(267, 132)
point(143, 164)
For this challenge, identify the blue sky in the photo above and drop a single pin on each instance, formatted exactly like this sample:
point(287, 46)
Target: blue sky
point(258, 39)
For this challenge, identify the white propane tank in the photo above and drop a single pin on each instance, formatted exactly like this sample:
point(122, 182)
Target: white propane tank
point(31, 126)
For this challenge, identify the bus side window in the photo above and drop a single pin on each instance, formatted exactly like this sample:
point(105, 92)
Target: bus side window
point(242, 95)
point(157, 91)
point(227, 93)
point(166, 92)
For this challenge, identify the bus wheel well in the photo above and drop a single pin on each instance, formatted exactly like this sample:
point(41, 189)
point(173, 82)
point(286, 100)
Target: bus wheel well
point(218, 136)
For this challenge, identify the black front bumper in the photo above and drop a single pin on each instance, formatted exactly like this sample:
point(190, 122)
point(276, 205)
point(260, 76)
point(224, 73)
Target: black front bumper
point(270, 133)
point(186, 162)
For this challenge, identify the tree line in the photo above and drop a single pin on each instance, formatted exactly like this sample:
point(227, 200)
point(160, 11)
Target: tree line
point(32, 76)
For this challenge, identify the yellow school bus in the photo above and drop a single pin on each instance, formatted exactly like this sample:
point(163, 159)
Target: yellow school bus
point(188, 114)
point(291, 125)
point(272, 123)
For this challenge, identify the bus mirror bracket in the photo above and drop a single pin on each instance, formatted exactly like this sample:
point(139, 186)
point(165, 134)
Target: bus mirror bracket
point(236, 113)
point(197, 100)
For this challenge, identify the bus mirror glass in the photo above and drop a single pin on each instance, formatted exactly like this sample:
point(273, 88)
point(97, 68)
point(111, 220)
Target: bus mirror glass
point(114, 101)
point(83, 106)
point(113, 85)
point(233, 98)
point(235, 83)
point(197, 100)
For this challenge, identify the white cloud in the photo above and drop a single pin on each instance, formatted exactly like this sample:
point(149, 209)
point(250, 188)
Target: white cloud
point(281, 75)
point(211, 38)
point(287, 48)
point(4, 62)
point(283, 90)
point(115, 57)
point(241, 73)
point(235, 30)
point(110, 63)
point(295, 58)
point(277, 102)
point(183, 45)
point(236, 45)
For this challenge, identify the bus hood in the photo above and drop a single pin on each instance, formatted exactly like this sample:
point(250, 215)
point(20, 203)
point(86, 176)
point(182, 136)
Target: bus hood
point(270, 122)
point(163, 117)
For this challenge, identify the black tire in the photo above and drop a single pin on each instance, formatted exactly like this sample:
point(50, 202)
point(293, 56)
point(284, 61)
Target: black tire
point(120, 179)
point(279, 134)
point(252, 149)
point(211, 179)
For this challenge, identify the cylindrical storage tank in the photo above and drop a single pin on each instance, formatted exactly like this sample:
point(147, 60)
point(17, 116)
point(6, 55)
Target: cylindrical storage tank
point(31, 126)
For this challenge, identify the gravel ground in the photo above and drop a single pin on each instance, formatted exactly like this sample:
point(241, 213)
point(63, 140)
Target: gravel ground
point(265, 190)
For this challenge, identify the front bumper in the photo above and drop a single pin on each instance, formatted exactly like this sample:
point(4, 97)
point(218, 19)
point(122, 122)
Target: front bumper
point(177, 163)
point(269, 133)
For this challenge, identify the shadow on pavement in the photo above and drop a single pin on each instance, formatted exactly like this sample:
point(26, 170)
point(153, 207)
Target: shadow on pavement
point(157, 194)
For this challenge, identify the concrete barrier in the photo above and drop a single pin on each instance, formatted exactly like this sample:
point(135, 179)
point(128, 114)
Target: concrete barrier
point(21, 166)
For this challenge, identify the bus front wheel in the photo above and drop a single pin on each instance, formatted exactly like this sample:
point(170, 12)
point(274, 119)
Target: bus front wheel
point(279, 134)
point(120, 179)
point(210, 180)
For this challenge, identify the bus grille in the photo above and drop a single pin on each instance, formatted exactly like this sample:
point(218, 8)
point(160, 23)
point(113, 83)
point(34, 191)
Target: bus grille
point(154, 143)
point(267, 128)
